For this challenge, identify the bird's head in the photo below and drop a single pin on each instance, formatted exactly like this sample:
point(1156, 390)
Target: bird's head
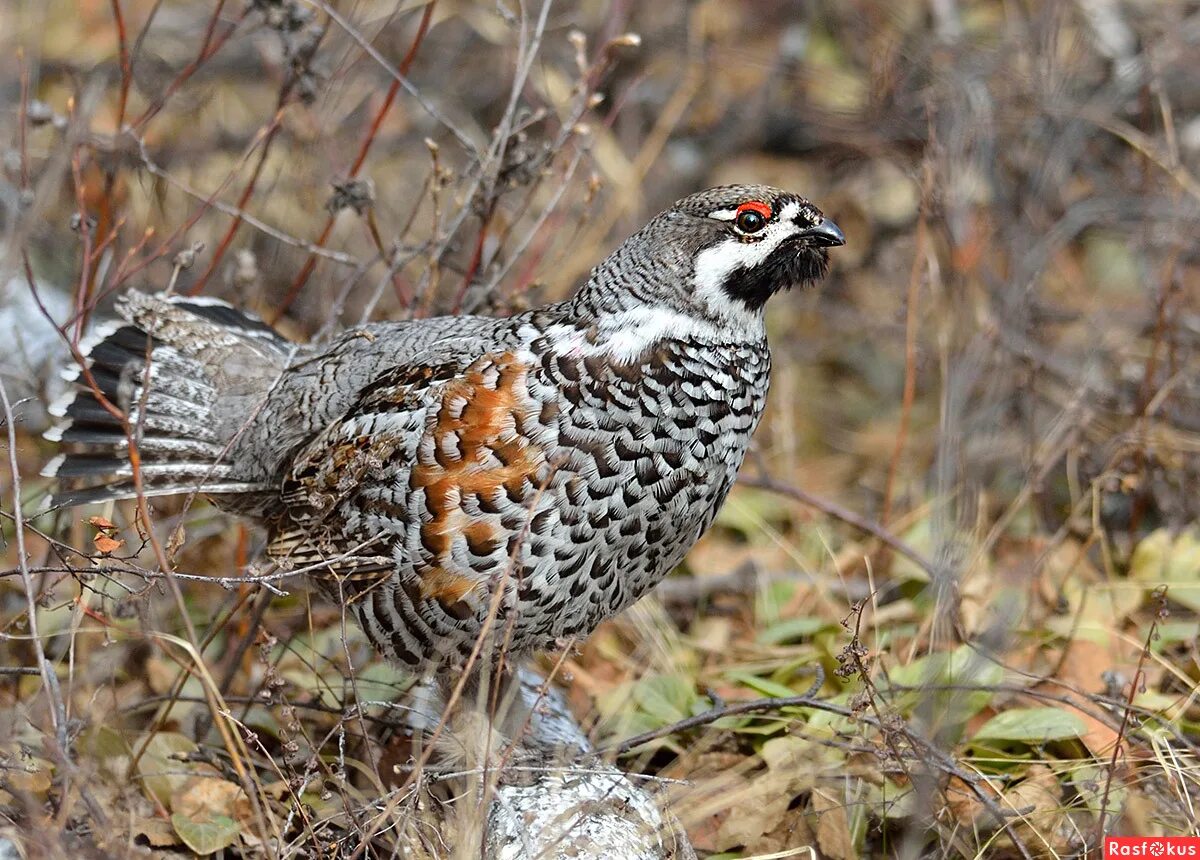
point(752, 241)
point(724, 252)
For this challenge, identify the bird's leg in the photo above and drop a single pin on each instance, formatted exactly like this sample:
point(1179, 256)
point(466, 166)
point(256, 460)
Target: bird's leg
point(482, 721)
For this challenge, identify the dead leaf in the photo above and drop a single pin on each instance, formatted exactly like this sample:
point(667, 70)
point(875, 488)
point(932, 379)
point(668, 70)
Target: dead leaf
point(203, 796)
point(26, 773)
point(106, 545)
point(1042, 818)
point(833, 826)
point(156, 832)
point(757, 807)
point(102, 523)
point(964, 804)
point(176, 540)
point(1082, 667)
point(162, 772)
point(791, 831)
point(161, 674)
point(1141, 815)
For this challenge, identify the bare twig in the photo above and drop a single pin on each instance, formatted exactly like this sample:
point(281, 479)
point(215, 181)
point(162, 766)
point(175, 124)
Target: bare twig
point(847, 516)
point(757, 706)
point(49, 682)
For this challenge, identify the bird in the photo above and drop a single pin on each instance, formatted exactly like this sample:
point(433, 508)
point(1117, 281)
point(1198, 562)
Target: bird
point(464, 482)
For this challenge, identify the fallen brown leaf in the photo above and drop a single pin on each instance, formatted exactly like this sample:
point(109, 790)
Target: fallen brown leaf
point(205, 795)
point(157, 832)
point(1042, 818)
point(833, 826)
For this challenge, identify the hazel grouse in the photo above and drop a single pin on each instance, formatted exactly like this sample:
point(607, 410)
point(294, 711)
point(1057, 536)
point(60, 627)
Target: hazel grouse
point(520, 478)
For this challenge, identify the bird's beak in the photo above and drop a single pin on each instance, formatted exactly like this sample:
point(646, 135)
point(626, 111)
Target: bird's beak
point(826, 234)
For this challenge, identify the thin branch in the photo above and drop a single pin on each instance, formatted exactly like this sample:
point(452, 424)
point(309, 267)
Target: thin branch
point(833, 509)
point(776, 703)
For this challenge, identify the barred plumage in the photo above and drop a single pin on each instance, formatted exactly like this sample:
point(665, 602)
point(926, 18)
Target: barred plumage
point(520, 478)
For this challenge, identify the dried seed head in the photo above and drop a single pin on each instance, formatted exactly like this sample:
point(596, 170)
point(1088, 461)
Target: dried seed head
point(39, 113)
point(186, 258)
point(356, 194)
point(245, 270)
point(80, 224)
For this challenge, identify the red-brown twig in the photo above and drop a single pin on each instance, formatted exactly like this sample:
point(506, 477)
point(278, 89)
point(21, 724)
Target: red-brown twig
point(473, 266)
point(123, 62)
point(910, 354)
point(372, 132)
point(208, 48)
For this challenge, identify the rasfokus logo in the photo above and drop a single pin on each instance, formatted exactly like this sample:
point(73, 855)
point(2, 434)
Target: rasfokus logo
point(1151, 846)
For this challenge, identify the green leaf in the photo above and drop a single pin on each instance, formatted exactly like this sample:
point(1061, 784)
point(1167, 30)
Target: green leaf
point(206, 837)
point(1032, 726)
point(162, 772)
point(893, 801)
point(1111, 264)
point(765, 686)
point(1160, 559)
point(753, 514)
point(920, 538)
point(666, 698)
point(770, 600)
point(933, 680)
point(1095, 789)
point(791, 629)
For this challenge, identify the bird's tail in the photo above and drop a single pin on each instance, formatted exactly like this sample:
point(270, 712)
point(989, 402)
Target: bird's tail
point(177, 377)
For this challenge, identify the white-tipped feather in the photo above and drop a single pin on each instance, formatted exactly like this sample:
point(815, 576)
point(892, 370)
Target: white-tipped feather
point(50, 470)
point(59, 407)
point(170, 398)
point(98, 333)
point(200, 301)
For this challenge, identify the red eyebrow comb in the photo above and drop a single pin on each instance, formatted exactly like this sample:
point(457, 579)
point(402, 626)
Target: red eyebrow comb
point(756, 206)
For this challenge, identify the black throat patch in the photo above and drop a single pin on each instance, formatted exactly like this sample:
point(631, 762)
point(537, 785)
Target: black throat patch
point(791, 264)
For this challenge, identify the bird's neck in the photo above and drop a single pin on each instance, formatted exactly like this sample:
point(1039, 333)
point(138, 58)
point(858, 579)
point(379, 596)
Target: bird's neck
point(648, 303)
point(624, 326)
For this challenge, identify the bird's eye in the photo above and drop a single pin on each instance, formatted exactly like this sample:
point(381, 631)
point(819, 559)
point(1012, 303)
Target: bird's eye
point(752, 217)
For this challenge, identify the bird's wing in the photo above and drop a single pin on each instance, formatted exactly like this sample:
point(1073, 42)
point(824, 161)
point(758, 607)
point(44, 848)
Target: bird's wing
point(432, 469)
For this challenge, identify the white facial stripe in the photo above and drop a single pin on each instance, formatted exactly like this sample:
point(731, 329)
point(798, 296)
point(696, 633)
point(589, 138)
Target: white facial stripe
point(723, 214)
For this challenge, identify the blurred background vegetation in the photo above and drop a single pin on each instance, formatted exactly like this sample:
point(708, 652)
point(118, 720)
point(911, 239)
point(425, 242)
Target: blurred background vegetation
point(979, 467)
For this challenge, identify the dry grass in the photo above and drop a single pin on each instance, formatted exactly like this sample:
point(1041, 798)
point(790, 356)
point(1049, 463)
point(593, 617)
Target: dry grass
point(978, 472)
